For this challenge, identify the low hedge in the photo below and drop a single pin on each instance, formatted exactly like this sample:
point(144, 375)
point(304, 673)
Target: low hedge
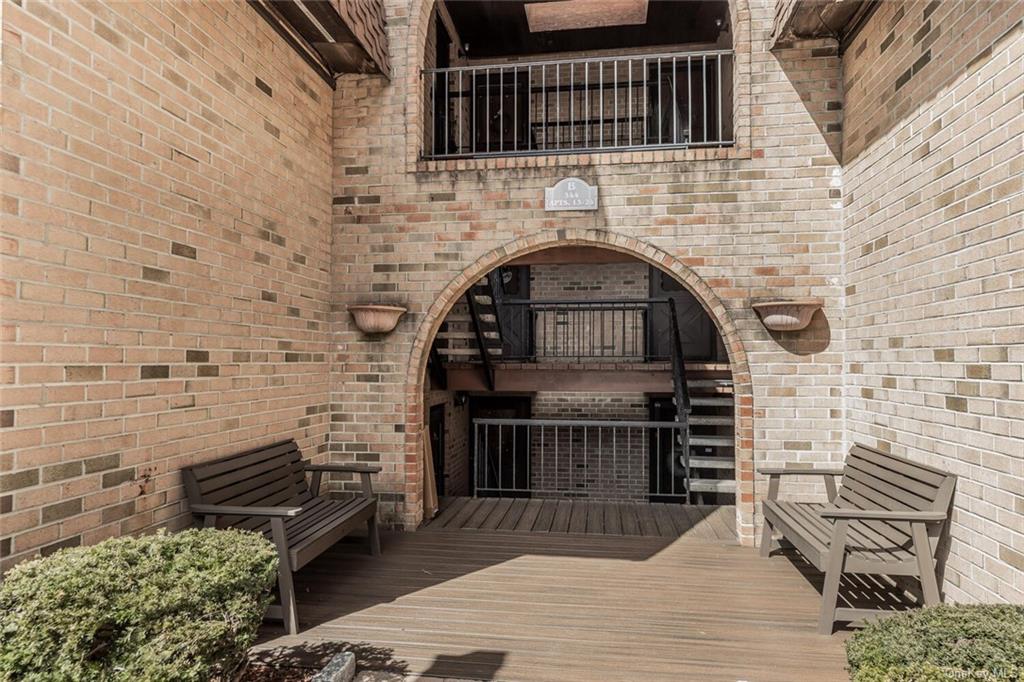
point(940, 643)
point(159, 607)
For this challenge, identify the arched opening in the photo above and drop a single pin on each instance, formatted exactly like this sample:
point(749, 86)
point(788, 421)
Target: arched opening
point(514, 77)
point(591, 343)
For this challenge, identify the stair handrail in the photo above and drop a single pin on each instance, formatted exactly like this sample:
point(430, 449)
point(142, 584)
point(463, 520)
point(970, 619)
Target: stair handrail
point(485, 355)
point(681, 391)
point(497, 290)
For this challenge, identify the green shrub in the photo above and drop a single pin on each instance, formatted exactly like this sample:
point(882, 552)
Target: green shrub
point(968, 642)
point(160, 607)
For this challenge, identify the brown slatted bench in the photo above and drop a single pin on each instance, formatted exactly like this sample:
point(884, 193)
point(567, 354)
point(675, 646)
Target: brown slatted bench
point(265, 490)
point(885, 519)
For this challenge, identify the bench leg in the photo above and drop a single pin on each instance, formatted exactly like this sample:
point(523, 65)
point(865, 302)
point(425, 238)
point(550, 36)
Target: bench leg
point(373, 535)
point(766, 529)
point(833, 575)
point(285, 587)
point(766, 539)
point(925, 568)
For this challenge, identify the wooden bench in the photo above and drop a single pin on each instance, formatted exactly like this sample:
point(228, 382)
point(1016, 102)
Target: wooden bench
point(265, 490)
point(885, 519)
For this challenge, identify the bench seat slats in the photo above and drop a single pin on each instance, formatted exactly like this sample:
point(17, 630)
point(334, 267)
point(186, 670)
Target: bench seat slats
point(900, 466)
point(253, 457)
point(922, 490)
point(273, 473)
point(885, 494)
point(801, 523)
point(301, 530)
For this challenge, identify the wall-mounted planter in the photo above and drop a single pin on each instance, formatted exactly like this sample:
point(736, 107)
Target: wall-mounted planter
point(372, 318)
point(788, 314)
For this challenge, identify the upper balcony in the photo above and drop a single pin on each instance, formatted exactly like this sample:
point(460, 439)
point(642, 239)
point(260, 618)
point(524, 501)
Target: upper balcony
point(575, 83)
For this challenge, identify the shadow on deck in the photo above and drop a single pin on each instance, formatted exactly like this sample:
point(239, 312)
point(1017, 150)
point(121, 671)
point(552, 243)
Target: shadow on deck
point(493, 604)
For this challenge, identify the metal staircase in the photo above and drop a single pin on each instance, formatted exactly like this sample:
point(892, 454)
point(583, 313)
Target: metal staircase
point(472, 331)
point(710, 426)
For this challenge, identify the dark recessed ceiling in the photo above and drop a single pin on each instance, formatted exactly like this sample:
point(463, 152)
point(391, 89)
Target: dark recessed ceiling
point(498, 28)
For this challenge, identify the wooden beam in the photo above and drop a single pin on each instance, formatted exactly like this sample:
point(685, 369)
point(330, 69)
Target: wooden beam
point(532, 380)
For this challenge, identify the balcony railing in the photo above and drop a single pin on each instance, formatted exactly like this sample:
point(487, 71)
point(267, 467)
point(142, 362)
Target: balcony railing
point(604, 460)
point(668, 100)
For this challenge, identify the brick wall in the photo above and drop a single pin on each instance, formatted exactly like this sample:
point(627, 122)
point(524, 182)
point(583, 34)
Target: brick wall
point(765, 221)
point(166, 179)
point(934, 204)
point(611, 334)
point(593, 463)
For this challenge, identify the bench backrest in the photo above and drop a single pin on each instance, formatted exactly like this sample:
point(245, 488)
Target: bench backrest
point(873, 479)
point(268, 476)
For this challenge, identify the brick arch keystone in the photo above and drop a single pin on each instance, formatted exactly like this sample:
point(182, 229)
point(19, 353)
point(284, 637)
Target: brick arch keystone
point(430, 323)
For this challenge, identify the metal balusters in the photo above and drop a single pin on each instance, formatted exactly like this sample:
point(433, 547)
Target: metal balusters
point(574, 121)
point(561, 457)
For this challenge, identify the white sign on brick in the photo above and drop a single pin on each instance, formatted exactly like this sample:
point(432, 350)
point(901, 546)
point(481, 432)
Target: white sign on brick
point(570, 194)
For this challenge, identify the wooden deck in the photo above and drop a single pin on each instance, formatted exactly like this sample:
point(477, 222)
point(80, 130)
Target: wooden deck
point(708, 522)
point(511, 604)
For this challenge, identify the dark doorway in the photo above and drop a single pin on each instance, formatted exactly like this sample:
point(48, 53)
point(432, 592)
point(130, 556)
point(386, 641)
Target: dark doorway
point(516, 320)
point(695, 327)
point(437, 441)
point(508, 447)
point(500, 116)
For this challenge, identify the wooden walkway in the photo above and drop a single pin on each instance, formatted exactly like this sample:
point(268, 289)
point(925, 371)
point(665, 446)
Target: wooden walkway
point(707, 522)
point(560, 607)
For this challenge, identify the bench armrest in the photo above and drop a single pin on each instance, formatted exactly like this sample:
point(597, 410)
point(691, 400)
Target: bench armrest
point(792, 471)
point(343, 468)
point(774, 475)
point(230, 510)
point(364, 471)
point(883, 515)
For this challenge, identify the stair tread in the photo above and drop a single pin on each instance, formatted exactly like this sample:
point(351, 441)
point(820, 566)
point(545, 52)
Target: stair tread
point(712, 485)
point(712, 463)
point(721, 441)
point(709, 400)
point(709, 420)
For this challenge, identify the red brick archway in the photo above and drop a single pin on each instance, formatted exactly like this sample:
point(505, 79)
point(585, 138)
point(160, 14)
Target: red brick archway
point(432, 319)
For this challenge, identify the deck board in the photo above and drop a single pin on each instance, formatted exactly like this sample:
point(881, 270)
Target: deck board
point(452, 602)
point(583, 516)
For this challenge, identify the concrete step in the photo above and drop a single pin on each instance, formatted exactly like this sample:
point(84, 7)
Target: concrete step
point(712, 485)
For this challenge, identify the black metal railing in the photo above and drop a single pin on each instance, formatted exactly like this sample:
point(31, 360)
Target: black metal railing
point(594, 329)
point(665, 100)
point(595, 459)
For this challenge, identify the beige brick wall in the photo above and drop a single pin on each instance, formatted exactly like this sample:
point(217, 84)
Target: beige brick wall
point(761, 219)
point(612, 335)
point(934, 261)
point(593, 463)
point(166, 245)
